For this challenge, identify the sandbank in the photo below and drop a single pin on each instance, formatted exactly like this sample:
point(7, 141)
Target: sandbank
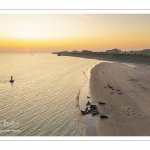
point(129, 112)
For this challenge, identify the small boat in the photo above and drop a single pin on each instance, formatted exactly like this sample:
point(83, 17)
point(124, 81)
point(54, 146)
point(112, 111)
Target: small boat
point(120, 93)
point(88, 97)
point(11, 79)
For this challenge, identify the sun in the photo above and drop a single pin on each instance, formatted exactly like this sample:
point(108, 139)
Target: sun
point(26, 50)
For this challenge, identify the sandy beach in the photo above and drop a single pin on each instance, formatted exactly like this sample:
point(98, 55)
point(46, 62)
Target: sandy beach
point(127, 102)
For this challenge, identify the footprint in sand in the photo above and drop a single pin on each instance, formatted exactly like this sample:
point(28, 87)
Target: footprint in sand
point(131, 112)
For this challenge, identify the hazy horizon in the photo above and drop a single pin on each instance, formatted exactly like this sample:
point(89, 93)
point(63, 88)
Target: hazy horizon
point(68, 32)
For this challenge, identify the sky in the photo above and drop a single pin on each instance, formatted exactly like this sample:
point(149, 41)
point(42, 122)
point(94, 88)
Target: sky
point(59, 32)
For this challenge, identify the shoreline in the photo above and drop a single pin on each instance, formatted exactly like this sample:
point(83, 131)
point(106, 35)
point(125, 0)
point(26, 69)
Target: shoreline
point(125, 111)
point(128, 113)
point(121, 59)
point(88, 120)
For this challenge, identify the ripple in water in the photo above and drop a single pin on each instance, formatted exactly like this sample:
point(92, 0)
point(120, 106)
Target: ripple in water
point(43, 100)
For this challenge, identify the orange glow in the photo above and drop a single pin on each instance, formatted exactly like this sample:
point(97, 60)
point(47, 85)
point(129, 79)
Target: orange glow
point(74, 32)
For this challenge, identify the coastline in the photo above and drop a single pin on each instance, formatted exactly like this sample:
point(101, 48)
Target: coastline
point(116, 58)
point(128, 113)
point(88, 120)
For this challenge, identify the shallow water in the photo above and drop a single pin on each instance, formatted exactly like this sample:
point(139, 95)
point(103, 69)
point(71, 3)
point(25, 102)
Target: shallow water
point(43, 100)
point(88, 120)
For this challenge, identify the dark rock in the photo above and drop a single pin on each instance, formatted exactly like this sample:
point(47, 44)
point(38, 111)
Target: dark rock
point(94, 113)
point(103, 117)
point(88, 103)
point(101, 103)
point(110, 87)
point(83, 112)
point(93, 106)
point(86, 109)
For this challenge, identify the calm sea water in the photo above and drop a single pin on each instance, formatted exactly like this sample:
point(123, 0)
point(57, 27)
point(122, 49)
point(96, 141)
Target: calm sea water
point(43, 100)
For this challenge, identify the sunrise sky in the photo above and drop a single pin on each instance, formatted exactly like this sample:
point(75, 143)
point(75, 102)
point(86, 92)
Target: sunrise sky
point(53, 32)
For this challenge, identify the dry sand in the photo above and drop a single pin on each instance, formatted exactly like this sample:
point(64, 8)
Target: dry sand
point(129, 112)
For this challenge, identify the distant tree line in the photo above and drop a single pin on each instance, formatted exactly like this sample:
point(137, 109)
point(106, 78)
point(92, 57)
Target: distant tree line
point(145, 53)
point(112, 51)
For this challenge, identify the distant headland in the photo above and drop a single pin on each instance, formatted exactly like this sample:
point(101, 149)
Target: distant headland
point(113, 54)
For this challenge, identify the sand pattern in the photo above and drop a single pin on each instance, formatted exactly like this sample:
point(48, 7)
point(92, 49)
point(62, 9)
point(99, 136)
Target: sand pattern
point(125, 91)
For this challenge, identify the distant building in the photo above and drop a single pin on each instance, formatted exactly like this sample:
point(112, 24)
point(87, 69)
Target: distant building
point(113, 51)
point(145, 51)
point(86, 51)
point(75, 51)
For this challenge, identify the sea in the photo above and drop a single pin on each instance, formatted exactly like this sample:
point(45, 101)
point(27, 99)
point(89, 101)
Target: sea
point(44, 99)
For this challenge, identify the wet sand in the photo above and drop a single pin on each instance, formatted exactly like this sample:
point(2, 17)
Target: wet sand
point(88, 120)
point(129, 112)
